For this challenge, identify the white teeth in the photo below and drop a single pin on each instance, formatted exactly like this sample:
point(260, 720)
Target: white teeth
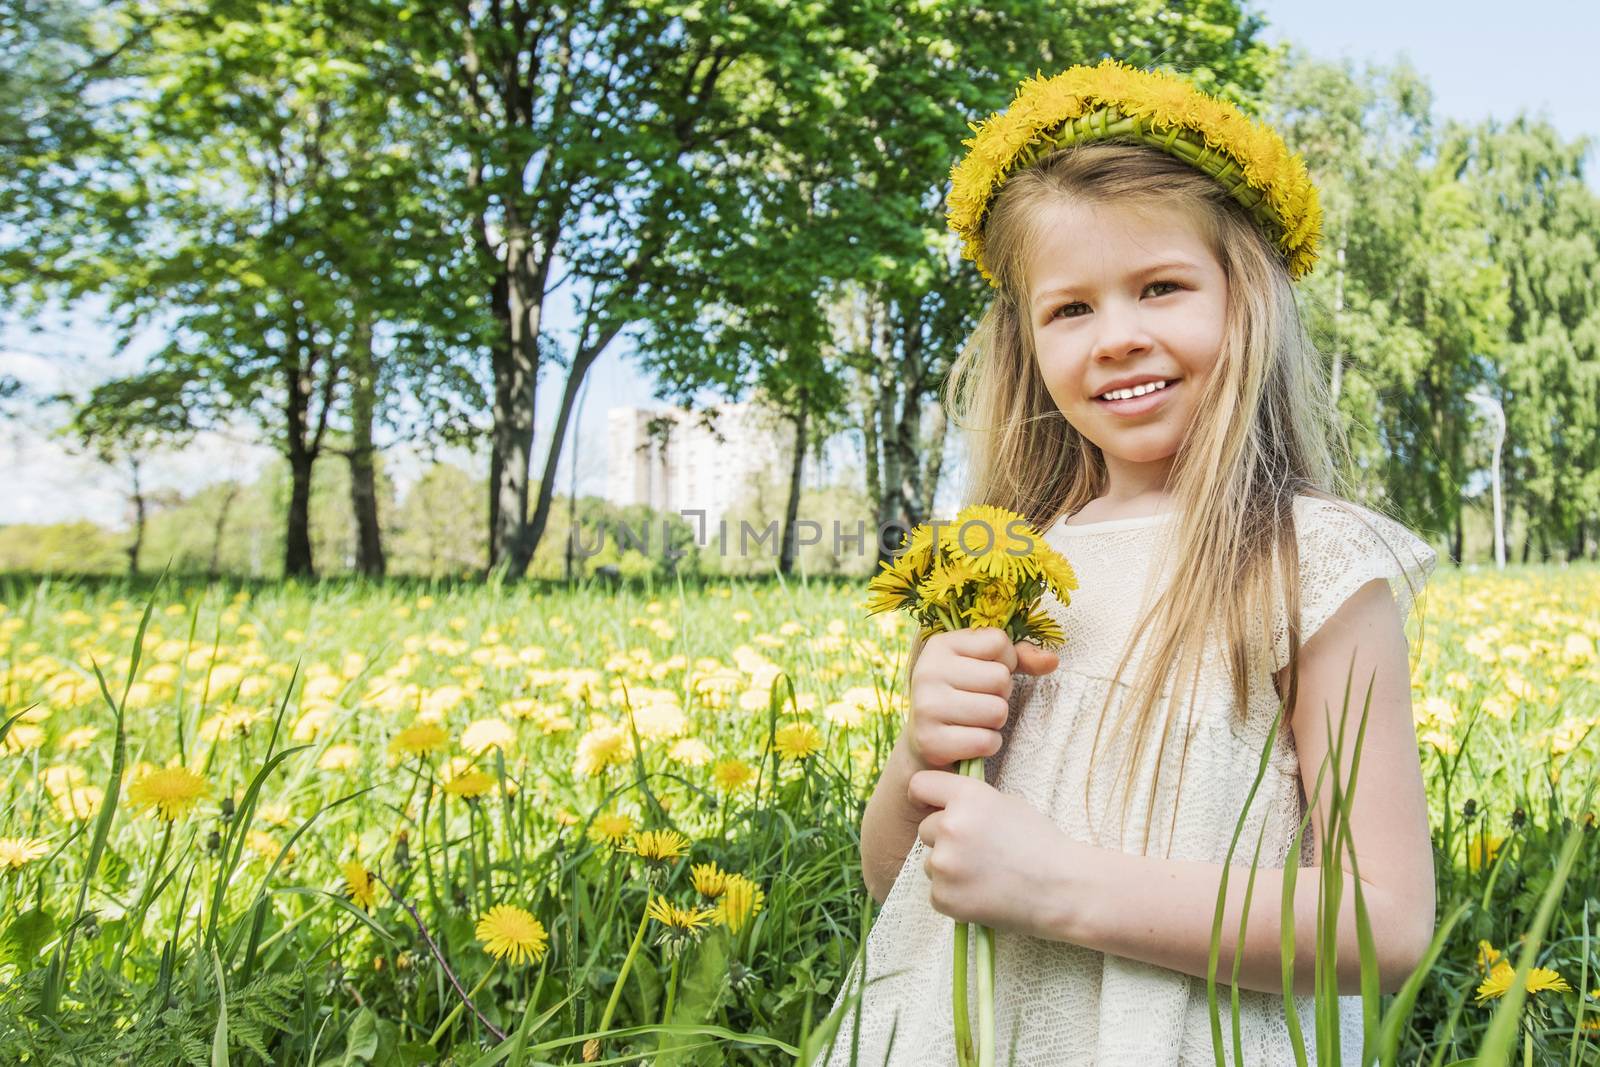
point(1138, 390)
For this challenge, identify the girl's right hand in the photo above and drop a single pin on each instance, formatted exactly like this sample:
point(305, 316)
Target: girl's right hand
point(961, 692)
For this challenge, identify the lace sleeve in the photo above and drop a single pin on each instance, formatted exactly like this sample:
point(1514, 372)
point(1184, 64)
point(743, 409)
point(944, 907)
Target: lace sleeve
point(1342, 547)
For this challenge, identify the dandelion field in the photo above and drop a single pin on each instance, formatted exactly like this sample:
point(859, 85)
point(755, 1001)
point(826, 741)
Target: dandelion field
point(473, 824)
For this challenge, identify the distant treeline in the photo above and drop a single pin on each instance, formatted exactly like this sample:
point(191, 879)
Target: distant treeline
point(434, 529)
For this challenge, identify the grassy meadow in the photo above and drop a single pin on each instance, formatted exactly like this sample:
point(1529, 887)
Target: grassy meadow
point(347, 823)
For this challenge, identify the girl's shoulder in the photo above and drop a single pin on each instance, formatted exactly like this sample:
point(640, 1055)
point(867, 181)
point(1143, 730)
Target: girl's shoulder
point(1342, 546)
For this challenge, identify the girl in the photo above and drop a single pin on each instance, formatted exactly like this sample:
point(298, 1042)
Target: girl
point(1142, 390)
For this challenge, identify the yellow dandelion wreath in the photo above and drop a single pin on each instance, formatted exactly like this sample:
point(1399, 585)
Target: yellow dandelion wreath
point(1162, 110)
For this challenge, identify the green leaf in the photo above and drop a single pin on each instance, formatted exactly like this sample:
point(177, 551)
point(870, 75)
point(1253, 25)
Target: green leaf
point(362, 1043)
point(26, 935)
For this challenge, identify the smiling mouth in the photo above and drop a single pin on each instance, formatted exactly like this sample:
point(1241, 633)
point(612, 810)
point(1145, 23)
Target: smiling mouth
point(1142, 391)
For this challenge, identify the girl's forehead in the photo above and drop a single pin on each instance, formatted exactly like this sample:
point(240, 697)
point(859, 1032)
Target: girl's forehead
point(1076, 241)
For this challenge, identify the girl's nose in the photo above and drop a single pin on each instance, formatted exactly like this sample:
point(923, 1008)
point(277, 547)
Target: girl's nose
point(1119, 331)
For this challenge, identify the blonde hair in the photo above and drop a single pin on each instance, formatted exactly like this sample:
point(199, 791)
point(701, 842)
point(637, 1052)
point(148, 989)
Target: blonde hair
point(1273, 434)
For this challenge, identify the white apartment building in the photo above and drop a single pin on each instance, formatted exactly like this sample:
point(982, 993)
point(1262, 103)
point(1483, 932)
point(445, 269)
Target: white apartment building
point(676, 460)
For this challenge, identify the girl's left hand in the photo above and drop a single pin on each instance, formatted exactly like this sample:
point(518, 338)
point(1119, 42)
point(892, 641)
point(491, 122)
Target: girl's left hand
point(993, 858)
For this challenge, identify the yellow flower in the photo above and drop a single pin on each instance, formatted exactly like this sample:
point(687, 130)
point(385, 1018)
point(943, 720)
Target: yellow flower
point(509, 933)
point(657, 845)
point(485, 734)
point(989, 539)
point(731, 774)
point(690, 751)
point(947, 581)
point(1482, 851)
point(1053, 567)
point(740, 901)
point(1539, 979)
point(610, 827)
point(676, 919)
point(172, 791)
point(23, 737)
point(18, 852)
point(797, 740)
point(339, 758)
point(471, 783)
point(893, 587)
point(993, 605)
point(77, 739)
point(80, 802)
point(359, 885)
point(602, 747)
point(419, 739)
point(1488, 955)
point(708, 879)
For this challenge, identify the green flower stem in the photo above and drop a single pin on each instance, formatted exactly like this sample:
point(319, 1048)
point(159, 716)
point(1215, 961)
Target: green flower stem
point(958, 1000)
point(627, 964)
point(973, 768)
point(672, 990)
point(455, 1012)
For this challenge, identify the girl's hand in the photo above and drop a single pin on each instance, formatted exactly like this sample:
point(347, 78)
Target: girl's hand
point(994, 858)
point(961, 691)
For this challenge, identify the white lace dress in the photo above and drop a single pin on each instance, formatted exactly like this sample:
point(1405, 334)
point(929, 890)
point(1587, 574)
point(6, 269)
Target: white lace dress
point(1061, 1004)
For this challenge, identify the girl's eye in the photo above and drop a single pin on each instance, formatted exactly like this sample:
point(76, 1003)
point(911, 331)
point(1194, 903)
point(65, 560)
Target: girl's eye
point(1153, 285)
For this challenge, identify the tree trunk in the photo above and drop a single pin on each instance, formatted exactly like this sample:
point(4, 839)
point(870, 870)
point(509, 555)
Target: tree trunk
point(935, 459)
point(518, 299)
point(297, 528)
point(297, 533)
point(528, 543)
point(791, 511)
point(1456, 542)
point(363, 474)
point(213, 568)
point(1337, 382)
point(139, 519)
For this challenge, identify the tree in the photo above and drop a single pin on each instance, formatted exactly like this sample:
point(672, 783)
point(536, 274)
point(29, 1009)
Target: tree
point(588, 132)
point(1542, 220)
point(268, 205)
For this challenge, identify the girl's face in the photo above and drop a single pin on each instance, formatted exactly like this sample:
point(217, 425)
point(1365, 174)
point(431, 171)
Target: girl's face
point(1118, 299)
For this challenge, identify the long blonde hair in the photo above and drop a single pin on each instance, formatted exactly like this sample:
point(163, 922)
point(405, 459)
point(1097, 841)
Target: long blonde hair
point(1273, 433)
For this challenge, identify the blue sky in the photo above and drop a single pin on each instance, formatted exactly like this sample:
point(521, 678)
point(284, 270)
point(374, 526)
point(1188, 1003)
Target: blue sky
point(1481, 60)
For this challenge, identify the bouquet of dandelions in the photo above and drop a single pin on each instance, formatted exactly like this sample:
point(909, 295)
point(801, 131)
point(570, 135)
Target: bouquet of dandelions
point(987, 567)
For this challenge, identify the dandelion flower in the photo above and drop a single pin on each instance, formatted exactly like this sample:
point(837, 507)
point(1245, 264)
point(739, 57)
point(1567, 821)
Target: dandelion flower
point(708, 879)
point(602, 747)
point(690, 751)
point(797, 740)
point(172, 791)
point(419, 739)
point(80, 802)
point(485, 734)
point(360, 886)
point(610, 828)
point(657, 845)
point(740, 901)
point(18, 852)
point(509, 933)
point(23, 737)
point(1539, 980)
point(731, 774)
point(77, 739)
point(687, 920)
point(470, 784)
point(1488, 955)
point(1482, 851)
point(339, 758)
